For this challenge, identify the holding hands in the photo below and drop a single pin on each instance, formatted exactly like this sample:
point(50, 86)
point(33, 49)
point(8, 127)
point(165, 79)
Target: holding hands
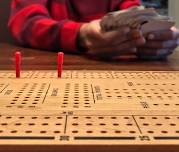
point(137, 30)
point(126, 41)
point(109, 44)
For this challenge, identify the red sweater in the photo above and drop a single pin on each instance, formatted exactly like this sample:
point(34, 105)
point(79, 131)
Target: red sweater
point(54, 24)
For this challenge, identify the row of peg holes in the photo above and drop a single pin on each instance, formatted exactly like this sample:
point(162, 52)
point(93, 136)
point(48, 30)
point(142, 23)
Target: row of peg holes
point(76, 95)
point(91, 117)
point(100, 75)
point(30, 131)
point(119, 131)
point(101, 124)
point(103, 131)
point(27, 97)
point(32, 124)
point(147, 75)
point(12, 75)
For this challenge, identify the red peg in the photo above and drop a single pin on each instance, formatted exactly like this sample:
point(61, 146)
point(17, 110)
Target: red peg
point(18, 64)
point(60, 63)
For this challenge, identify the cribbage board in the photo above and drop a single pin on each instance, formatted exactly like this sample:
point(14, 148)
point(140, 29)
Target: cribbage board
point(113, 109)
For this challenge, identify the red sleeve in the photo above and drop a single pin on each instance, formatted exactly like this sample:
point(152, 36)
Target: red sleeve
point(32, 25)
point(129, 3)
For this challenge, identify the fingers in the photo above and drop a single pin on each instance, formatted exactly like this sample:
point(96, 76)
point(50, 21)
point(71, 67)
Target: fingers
point(108, 38)
point(116, 37)
point(157, 49)
point(130, 44)
point(161, 44)
point(125, 51)
point(126, 48)
point(174, 29)
point(135, 38)
point(164, 35)
point(132, 39)
point(134, 34)
point(113, 51)
point(157, 53)
point(99, 39)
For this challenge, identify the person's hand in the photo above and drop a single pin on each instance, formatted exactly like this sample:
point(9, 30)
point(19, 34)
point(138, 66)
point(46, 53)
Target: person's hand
point(159, 44)
point(109, 44)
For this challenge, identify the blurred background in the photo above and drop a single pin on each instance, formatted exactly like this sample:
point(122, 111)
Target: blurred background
point(160, 5)
point(4, 15)
point(167, 7)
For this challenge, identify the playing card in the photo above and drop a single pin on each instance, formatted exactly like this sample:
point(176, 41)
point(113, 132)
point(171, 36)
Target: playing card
point(146, 19)
point(152, 26)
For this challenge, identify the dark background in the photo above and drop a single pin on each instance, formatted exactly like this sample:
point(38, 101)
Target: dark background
point(4, 15)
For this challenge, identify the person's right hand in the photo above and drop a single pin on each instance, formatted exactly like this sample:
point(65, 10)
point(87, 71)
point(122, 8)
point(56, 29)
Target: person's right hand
point(109, 44)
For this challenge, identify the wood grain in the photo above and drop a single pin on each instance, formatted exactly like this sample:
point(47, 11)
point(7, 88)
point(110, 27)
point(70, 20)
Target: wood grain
point(131, 110)
point(46, 60)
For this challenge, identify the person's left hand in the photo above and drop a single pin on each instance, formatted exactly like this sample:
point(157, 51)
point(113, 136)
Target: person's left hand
point(159, 44)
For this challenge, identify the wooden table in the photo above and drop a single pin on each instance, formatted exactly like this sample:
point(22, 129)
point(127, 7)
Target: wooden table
point(46, 60)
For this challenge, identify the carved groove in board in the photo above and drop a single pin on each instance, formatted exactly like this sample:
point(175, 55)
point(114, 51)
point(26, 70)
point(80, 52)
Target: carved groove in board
point(104, 138)
point(26, 138)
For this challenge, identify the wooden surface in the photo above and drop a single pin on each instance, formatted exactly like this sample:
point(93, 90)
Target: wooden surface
point(89, 109)
point(39, 59)
point(97, 111)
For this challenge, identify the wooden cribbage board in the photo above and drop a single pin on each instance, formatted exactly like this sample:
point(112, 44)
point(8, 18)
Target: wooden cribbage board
point(92, 108)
